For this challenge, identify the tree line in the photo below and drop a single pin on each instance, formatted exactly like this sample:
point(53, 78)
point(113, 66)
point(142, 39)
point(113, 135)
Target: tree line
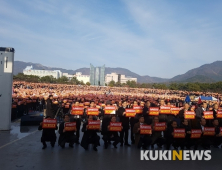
point(204, 87)
point(48, 79)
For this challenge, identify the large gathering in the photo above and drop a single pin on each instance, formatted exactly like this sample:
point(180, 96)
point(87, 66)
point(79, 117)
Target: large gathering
point(118, 116)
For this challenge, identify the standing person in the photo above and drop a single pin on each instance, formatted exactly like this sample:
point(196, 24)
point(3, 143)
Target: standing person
point(66, 136)
point(48, 135)
point(218, 136)
point(125, 123)
point(49, 107)
point(133, 121)
point(147, 117)
point(162, 117)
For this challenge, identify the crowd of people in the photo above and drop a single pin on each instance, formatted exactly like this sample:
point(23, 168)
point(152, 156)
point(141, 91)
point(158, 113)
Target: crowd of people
point(51, 97)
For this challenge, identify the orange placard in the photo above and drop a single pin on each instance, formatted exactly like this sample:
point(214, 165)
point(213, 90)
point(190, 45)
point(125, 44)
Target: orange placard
point(179, 133)
point(93, 124)
point(138, 109)
point(209, 131)
point(195, 133)
point(154, 111)
point(110, 110)
point(86, 103)
point(77, 110)
point(219, 114)
point(208, 115)
point(70, 126)
point(145, 130)
point(49, 123)
point(189, 115)
point(130, 113)
point(115, 126)
point(175, 110)
point(160, 126)
point(92, 111)
point(165, 110)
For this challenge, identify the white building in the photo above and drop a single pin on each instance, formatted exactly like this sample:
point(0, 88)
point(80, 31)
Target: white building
point(41, 73)
point(69, 76)
point(118, 78)
point(81, 77)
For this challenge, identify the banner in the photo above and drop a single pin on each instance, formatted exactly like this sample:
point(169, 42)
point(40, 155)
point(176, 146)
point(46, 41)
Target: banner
point(209, 131)
point(175, 110)
point(195, 133)
point(138, 109)
point(160, 126)
point(179, 133)
point(94, 124)
point(110, 110)
point(77, 110)
point(49, 123)
point(165, 110)
point(154, 111)
point(70, 126)
point(115, 126)
point(130, 113)
point(219, 114)
point(92, 111)
point(189, 115)
point(208, 115)
point(145, 130)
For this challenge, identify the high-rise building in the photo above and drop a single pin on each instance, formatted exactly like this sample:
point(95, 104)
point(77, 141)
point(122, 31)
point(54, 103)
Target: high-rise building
point(97, 75)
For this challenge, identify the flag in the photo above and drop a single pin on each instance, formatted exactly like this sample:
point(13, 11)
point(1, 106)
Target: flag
point(199, 101)
point(187, 100)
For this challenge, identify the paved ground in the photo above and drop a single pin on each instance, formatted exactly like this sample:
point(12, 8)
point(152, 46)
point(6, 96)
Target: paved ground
point(23, 151)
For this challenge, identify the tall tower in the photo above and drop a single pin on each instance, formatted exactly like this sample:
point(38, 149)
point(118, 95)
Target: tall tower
point(92, 73)
point(97, 75)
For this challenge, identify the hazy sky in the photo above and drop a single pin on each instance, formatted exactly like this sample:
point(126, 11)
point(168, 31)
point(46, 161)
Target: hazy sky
point(155, 38)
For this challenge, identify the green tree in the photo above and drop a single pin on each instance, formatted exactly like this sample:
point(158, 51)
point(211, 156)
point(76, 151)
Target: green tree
point(75, 81)
point(63, 80)
point(88, 83)
point(112, 83)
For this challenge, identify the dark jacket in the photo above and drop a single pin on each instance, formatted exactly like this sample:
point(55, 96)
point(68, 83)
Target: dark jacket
point(123, 118)
point(48, 134)
point(49, 108)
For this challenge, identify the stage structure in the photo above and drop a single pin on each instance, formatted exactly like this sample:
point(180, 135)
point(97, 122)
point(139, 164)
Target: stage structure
point(97, 75)
point(6, 76)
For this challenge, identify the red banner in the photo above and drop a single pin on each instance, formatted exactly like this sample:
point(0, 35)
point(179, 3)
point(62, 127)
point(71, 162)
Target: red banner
point(49, 123)
point(93, 124)
point(165, 110)
point(138, 109)
point(160, 126)
point(130, 113)
point(115, 126)
point(154, 111)
point(175, 110)
point(195, 133)
point(189, 115)
point(110, 110)
point(208, 115)
point(145, 130)
point(219, 114)
point(179, 133)
point(92, 111)
point(209, 131)
point(77, 110)
point(70, 126)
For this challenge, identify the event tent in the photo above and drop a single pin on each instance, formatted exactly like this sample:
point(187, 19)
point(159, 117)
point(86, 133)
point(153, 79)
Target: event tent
point(206, 98)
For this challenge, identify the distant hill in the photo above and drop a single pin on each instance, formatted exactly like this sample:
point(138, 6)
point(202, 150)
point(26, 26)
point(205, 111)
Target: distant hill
point(205, 74)
point(209, 71)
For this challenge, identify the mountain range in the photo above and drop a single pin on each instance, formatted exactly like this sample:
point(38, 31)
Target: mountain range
point(206, 73)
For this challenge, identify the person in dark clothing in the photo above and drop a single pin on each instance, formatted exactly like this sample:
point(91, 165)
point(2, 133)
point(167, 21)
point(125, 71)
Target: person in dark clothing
point(141, 140)
point(218, 136)
point(48, 135)
point(185, 142)
point(125, 123)
point(89, 136)
point(169, 133)
point(147, 117)
point(110, 135)
point(49, 107)
point(66, 136)
point(157, 135)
